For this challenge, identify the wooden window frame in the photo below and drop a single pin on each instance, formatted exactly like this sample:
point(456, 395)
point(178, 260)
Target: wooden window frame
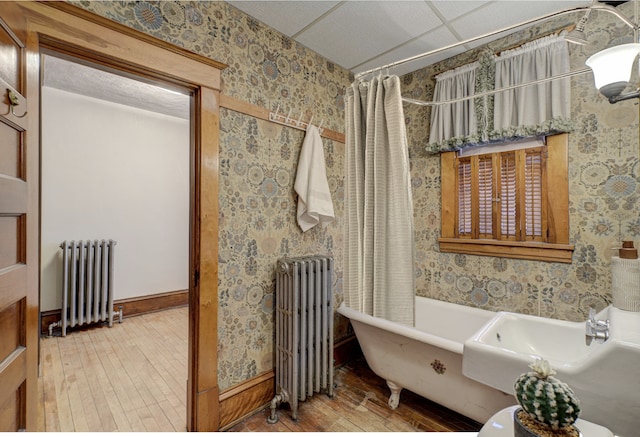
point(556, 248)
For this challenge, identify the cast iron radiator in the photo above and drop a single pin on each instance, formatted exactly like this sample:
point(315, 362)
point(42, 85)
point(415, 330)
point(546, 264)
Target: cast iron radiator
point(87, 284)
point(304, 331)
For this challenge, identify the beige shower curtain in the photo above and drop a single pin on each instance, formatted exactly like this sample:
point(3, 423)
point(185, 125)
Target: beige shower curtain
point(379, 274)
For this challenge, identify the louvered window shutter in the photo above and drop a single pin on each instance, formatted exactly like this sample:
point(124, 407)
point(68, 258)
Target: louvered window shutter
point(485, 197)
point(534, 195)
point(503, 196)
point(507, 201)
point(464, 198)
point(508, 196)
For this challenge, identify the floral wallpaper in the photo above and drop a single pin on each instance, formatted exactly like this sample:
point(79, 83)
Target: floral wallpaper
point(258, 226)
point(258, 162)
point(603, 190)
point(265, 67)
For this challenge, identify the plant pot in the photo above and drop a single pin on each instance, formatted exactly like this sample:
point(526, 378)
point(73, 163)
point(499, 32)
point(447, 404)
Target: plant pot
point(521, 430)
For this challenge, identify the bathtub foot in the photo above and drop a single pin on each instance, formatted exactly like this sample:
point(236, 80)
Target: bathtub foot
point(394, 399)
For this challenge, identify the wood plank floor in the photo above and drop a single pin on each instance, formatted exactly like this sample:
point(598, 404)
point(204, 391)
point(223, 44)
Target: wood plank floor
point(360, 404)
point(132, 377)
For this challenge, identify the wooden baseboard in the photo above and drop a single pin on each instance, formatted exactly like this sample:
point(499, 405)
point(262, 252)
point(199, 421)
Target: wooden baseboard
point(346, 351)
point(243, 400)
point(133, 306)
point(136, 306)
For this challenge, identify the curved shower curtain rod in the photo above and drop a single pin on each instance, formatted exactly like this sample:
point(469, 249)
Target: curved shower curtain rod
point(499, 90)
point(606, 8)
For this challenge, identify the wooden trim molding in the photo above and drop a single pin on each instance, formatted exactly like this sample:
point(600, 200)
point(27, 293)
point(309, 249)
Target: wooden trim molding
point(134, 33)
point(66, 28)
point(133, 306)
point(263, 114)
point(245, 399)
point(561, 253)
point(346, 351)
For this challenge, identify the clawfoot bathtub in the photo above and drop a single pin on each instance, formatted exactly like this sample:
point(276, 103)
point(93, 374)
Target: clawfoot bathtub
point(427, 359)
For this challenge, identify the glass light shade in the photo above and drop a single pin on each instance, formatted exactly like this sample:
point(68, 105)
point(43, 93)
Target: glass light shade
point(612, 67)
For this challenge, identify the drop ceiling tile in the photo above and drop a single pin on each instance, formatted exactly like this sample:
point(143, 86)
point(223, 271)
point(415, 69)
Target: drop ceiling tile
point(451, 10)
point(359, 30)
point(288, 17)
point(441, 37)
point(498, 14)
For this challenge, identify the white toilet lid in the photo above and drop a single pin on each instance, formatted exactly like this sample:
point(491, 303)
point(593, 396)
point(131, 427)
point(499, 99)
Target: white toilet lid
point(501, 425)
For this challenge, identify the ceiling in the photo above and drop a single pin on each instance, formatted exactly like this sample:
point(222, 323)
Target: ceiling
point(99, 84)
point(358, 35)
point(361, 35)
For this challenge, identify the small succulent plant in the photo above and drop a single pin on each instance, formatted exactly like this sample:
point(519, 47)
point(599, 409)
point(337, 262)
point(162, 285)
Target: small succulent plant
point(546, 399)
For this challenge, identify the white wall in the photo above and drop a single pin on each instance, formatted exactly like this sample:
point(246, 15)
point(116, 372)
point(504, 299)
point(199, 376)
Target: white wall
point(114, 172)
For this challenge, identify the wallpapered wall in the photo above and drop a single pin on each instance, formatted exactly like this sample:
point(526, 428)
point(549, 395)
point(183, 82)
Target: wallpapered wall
point(603, 187)
point(258, 161)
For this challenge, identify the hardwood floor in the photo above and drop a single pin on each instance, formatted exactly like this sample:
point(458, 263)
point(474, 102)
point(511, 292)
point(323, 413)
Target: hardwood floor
point(132, 377)
point(360, 404)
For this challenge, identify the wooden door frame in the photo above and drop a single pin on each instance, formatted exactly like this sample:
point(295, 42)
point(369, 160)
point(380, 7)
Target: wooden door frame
point(69, 29)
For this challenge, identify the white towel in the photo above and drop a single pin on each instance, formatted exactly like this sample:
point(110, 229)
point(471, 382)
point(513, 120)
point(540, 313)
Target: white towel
point(314, 198)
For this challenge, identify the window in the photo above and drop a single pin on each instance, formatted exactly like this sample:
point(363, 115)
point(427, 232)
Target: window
point(512, 203)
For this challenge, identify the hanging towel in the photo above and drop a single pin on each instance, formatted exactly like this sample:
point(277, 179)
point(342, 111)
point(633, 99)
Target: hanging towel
point(314, 198)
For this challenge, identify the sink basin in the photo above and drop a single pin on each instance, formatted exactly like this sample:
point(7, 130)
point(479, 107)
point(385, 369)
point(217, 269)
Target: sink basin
point(519, 339)
point(605, 376)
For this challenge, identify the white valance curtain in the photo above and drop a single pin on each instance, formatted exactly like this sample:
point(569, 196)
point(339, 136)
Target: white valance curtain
point(530, 110)
point(534, 109)
point(456, 121)
point(379, 261)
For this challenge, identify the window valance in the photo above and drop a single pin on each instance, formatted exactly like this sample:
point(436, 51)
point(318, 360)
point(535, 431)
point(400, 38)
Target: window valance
point(530, 110)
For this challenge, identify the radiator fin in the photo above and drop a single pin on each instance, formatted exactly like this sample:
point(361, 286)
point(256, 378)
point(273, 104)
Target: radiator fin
point(304, 330)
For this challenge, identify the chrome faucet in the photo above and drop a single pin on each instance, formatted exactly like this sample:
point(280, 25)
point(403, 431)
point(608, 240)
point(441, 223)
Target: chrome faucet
point(598, 329)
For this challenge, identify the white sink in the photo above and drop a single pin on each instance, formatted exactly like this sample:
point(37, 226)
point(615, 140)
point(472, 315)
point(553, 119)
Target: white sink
point(605, 376)
point(518, 339)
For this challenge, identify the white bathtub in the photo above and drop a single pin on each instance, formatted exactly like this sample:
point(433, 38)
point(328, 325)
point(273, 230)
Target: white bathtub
point(427, 359)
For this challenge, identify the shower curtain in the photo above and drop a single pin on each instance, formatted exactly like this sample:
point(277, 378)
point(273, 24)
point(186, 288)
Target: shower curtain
point(379, 267)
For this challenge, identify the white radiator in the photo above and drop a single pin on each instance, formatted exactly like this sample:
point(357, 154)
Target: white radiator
point(87, 284)
point(304, 331)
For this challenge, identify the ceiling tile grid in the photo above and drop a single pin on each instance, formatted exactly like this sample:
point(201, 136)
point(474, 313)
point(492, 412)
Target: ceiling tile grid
point(361, 35)
point(441, 37)
point(360, 30)
point(288, 17)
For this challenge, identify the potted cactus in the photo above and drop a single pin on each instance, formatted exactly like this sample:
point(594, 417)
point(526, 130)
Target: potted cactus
point(549, 406)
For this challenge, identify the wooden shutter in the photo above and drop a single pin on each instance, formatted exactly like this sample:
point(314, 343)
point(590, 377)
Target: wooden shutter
point(534, 195)
point(507, 204)
point(485, 196)
point(502, 196)
point(529, 202)
point(465, 211)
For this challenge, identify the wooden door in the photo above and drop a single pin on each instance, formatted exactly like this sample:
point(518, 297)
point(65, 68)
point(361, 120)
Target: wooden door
point(18, 307)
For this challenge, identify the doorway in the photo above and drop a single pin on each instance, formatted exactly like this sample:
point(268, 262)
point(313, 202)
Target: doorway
point(33, 27)
point(115, 164)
